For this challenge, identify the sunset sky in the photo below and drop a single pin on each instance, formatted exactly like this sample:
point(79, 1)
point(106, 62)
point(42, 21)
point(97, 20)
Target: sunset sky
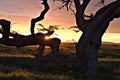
point(20, 12)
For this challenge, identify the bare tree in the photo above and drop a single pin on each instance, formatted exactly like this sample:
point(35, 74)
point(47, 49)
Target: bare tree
point(19, 40)
point(93, 29)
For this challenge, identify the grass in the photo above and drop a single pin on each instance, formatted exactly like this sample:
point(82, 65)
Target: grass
point(20, 64)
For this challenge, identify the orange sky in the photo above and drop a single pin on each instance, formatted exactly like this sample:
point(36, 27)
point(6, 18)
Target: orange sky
point(21, 12)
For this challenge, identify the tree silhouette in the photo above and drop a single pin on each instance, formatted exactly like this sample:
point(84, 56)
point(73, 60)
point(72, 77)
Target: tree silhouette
point(19, 40)
point(41, 17)
point(93, 28)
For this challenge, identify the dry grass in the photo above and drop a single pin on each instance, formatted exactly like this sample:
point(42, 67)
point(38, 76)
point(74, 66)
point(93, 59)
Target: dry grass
point(20, 64)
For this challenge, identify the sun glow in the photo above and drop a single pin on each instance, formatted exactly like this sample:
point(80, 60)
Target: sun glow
point(65, 35)
point(47, 37)
point(111, 37)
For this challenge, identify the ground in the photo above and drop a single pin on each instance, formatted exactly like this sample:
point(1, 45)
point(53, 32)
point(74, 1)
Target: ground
point(20, 64)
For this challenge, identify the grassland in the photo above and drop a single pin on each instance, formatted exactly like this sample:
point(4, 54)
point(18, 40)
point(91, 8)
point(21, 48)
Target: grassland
point(20, 64)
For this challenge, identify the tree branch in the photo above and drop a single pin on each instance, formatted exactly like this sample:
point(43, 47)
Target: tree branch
point(93, 25)
point(80, 8)
point(85, 3)
point(41, 17)
point(19, 40)
point(117, 13)
point(101, 30)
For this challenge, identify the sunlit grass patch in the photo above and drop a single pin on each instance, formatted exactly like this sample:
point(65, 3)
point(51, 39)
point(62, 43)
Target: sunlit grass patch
point(24, 74)
point(17, 55)
point(109, 60)
point(15, 73)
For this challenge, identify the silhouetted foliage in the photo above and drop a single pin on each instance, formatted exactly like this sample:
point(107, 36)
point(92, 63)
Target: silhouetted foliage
point(92, 26)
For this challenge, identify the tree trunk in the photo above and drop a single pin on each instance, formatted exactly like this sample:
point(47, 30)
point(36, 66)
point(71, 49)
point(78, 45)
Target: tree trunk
point(90, 40)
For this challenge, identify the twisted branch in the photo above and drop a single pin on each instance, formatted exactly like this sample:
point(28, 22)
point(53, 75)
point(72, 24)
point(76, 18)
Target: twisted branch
point(41, 17)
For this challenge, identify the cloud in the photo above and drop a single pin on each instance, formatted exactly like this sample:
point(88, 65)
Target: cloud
point(19, 7)
point(16, 19)
point(21, 11)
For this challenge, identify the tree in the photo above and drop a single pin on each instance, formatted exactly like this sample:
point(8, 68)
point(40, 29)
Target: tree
point(19, 40)
point(93, 29)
